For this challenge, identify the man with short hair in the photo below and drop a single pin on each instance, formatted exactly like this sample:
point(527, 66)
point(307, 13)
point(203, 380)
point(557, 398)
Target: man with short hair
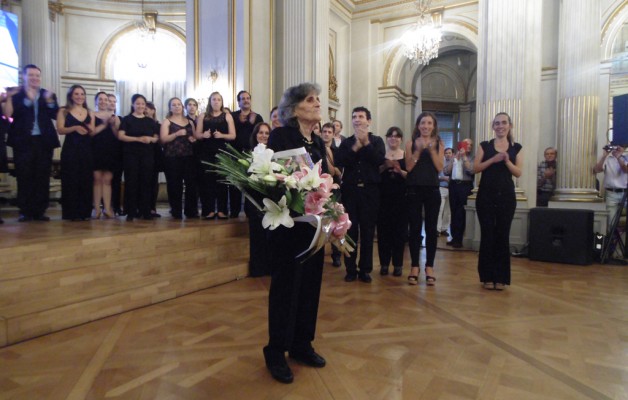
point(361, 155)
point(244, 120)
point(614, 164)
point(546, 178)
point(460, 172)
point(33, 137)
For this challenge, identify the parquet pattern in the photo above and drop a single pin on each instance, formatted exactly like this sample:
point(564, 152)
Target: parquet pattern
point(560, 332)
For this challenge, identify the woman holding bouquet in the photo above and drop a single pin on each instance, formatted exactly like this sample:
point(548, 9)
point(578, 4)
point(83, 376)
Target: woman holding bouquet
point(296, 282)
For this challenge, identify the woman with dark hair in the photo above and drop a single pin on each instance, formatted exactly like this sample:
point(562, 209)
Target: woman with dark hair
point(259, 258)
point(177, 136)
point(151, 112)
point(392, 221)
point(191, 108)
point(139, 134)
point(76, 122)
point(424, 160)
point(106, 155)
point(499, 160)
point(296, 282)
point(213, 129)
point(274, 118)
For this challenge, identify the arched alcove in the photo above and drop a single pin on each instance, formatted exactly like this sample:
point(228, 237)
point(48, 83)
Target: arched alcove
point(151, 64)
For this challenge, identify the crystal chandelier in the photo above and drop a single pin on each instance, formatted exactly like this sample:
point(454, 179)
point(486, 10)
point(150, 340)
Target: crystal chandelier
point(420, 44)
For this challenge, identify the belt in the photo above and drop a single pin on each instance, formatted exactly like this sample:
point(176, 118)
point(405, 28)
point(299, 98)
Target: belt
point(615, 190)
point(459, 181)
point(360, 185)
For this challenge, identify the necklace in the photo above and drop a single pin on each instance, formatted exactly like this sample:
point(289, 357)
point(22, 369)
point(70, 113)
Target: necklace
point(308, 142)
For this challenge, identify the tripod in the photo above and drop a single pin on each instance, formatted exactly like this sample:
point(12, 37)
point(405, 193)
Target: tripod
point(613, 237)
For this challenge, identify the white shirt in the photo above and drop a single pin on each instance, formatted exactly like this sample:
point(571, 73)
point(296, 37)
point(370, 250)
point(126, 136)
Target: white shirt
point(614, 177)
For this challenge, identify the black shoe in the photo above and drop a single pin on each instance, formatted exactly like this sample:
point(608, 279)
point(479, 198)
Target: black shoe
point(450, 243)
point(154, 215)
point(383, 271)
point(24, 218)
point(42, 217)
point(277, 365)
point(310, 358)
point(234, 215)
point(456, 245)
point(130, 218)
point(335, 260)
point(365, 277)
point(398, 271)
point(351, 277)
point(1, 221)
point(148, 217)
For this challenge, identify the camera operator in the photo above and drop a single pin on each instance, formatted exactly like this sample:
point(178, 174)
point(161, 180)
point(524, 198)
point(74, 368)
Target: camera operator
point(546, 178)
point(614, 164)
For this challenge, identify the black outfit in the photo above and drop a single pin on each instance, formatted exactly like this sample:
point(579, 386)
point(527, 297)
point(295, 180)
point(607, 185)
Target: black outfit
point(459, 191)
point(360, 197)
point(259, 247)
point(106, 150)
point(242, 142)
point(295, 283)
point(212, 192)
point(496, 203)
point(33, 153)
point(181, 167)
point(423, 193)
point(77, 176)
point(139, 162)
point(4, 127)
point(160, 166)
point(392, 222)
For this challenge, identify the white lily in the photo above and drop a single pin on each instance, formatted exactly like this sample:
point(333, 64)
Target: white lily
point(276, 214)
point(262, 163)
point(311, 179)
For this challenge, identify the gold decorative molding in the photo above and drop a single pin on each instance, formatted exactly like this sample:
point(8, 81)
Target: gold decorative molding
point(55, 8)
point(118, 12)
point(610, 19)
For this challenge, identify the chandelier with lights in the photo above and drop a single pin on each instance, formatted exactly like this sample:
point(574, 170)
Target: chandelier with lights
point(420, 44)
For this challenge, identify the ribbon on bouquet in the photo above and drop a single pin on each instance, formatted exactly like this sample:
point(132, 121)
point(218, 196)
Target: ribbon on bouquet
point(323, 234)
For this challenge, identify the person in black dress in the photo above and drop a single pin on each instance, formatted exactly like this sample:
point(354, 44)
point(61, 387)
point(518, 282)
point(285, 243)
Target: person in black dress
point(425, 156)
point(151, 112)
point(259, 258)
point(177, 137)
point(77, 123)
point(498, 160)
point(4, 127)
point(106, 155)
point(116, 180)
point(139, 133)
point(392, 222)
point(295, 282)
point(213, 129)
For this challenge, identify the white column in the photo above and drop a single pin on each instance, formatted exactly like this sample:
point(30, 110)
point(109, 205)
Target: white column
point(305, 44)
point(509, 73)
point(36, 44)
point(465, 121)
point(578, 97)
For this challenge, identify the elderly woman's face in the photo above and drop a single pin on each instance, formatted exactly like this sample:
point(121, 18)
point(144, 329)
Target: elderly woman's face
point(309, 110)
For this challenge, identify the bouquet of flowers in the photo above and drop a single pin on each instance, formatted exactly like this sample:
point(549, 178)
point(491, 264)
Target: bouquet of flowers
point(293, 190)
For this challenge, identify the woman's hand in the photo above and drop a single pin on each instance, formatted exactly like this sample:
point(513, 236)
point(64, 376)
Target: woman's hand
point(81, 130)
point(207, 134)
point(181, 132)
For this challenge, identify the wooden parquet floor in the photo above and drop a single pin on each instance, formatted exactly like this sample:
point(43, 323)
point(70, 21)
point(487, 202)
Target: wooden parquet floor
point(560, 332)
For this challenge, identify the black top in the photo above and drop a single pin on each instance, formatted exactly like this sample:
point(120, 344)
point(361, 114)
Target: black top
point(211, 146)
point(497, 177)
point(424, 172)
point(75, 139)
point(362, 166)
point(392, 182)
point(138, 127)
point(244, 130)
point(4, 127)
point(24, 120)
point(286, 138)
point(106, 149)
point(181, 145)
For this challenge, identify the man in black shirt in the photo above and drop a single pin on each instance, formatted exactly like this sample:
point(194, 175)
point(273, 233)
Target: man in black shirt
point(361, 155)
point(244, 120)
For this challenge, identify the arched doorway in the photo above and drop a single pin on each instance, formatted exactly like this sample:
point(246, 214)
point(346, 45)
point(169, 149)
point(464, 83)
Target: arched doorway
point(150, 64)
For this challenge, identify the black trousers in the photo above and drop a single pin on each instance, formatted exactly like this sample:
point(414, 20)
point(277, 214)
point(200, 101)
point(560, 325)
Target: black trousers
point(294, 289)
point(77, 182)
point(180, 171)
point(392, 229)
point(459, 191)
point(32, 170)
point(420, 198)
point(362, 204)
point(138, 175)
point(542, 198)
point(495, 213)
point(235, 201)
point(213, 193)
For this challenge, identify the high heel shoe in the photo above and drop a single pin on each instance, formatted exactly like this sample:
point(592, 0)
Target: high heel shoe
point(108, 215)
point(96, 214)
point(430, 280)
point(413, 279)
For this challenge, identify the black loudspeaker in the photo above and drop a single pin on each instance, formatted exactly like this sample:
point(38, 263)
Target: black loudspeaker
point(620, 119)
point(561, 235)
